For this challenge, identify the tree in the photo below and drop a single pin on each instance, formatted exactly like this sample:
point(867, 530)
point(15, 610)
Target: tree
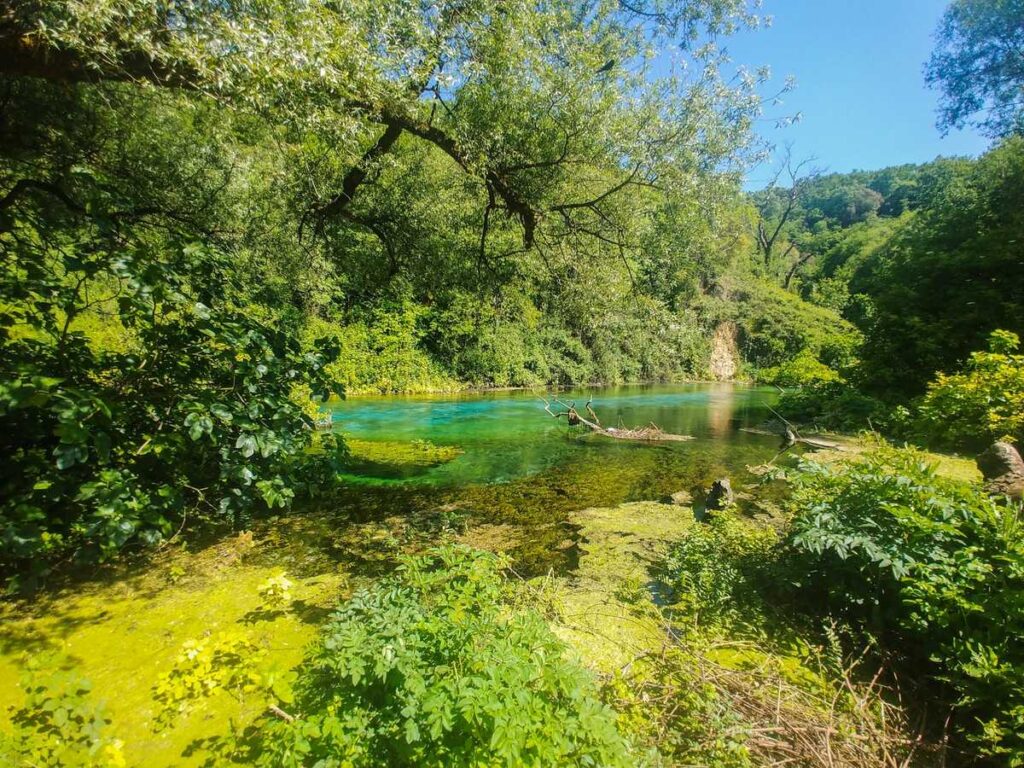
point(518, 96)
point(948, 278)
point(779, 212)
point(978, 64)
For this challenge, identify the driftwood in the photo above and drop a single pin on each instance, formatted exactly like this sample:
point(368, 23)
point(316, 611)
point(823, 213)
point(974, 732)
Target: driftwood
point(280, 714)
point(790, 437)
point(650, 433)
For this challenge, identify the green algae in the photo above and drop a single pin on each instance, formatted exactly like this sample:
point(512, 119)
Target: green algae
point(123, 633)
point(737, 696)
point(604, 609)
point(395, 459)
point(515, 485)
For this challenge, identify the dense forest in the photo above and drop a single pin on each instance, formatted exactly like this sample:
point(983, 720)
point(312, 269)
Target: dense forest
point(217, 218)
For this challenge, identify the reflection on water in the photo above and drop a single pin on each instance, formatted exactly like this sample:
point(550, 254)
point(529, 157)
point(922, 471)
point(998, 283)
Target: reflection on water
point(507, 435)
point(720, 409)
point(520, 467)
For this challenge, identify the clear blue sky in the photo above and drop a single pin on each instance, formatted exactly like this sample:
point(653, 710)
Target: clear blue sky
point(860, 83)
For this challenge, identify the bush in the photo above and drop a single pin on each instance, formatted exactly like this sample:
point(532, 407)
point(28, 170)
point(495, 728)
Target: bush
point(983, 403)
point(431, 668)
point(947, 278)
point(835, 405)
point(717, 566)
point(57, 725)
point(931, 567)
point(800, 371)
point(380, 351)
point(110, 447)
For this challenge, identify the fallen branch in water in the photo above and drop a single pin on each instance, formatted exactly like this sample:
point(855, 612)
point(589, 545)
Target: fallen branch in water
point(791, 436)
point(651, 433)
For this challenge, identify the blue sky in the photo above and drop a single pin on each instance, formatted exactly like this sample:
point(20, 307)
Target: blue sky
point(860, 84)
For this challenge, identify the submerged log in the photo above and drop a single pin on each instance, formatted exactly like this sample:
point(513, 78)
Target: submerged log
point(650, 433)
point(790, 438)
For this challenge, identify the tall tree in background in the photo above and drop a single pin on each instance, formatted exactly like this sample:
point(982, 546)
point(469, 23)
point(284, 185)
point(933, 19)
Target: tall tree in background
point(949, 278)
point(978, 64)
point(779, 212)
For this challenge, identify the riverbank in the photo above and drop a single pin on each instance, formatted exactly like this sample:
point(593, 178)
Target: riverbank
point(482, 389)
point(124, 631)
point(577, 515)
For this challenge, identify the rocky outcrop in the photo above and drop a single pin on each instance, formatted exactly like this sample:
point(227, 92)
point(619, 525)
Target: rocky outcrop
point(1003, 470)
point(720, 496)
point(725, 354)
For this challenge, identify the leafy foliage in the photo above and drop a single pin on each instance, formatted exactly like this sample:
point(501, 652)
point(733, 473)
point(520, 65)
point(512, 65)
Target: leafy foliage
point(57, 725)
point(836, 405)
point(983, 403)
point(978, 65)
point(800, 371)
point(141, 390)
point(925, 282)
point(431, 667)
point(714, 570)
point(111, 447)
point(949, 278)
point(228, 661)
point(930, 567)
point(276, 592)
point(775, 326)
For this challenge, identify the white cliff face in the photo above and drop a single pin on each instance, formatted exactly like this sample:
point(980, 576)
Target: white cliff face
point(724, 353)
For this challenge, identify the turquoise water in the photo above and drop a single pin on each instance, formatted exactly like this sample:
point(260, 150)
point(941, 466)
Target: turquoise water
point(508, 435)
point(522, 469)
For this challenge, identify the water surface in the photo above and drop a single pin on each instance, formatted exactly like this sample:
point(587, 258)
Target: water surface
point(508, 435)
point(520, 467)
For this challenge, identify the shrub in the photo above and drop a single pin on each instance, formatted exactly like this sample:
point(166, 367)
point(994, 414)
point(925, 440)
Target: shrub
point(57, 725)
point(380, 351)
point(106, 448)
point(717, 566)
point(983, 403)
point(800, 371)
point(933, 568)
point(835, 405)
point(431, 668)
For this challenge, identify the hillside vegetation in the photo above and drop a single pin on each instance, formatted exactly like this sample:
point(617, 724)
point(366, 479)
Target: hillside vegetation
point(216, 216)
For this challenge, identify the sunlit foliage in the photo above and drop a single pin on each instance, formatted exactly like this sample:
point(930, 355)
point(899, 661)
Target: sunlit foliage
point(929, 567)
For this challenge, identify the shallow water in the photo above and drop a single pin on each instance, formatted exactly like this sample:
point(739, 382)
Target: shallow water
point(508, 435)
point(517, 477)
point(521, 469)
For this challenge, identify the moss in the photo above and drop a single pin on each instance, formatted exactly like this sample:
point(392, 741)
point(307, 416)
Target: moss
point(396, 459)
point(946, 465)
point(605, 610)
point(123, 633)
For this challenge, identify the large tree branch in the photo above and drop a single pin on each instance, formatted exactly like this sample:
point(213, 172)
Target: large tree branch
point(24, 53)
point(358, 173)
point(23, 186)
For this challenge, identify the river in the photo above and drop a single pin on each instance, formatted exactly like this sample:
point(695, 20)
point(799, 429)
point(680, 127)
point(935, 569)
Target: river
point(490, 468)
